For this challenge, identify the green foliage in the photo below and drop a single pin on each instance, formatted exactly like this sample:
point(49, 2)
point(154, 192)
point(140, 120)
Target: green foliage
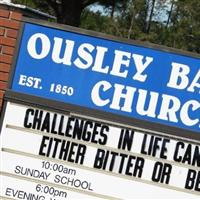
point(36, 4)
point(185, 25)
point(95, 21)
point(174, 23)
point(25, 2)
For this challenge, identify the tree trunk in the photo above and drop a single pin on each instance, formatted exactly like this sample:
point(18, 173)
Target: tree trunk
point(69, 12)
point(151, 16)
point(112, 9)
point(132, 22)
point(169, 15)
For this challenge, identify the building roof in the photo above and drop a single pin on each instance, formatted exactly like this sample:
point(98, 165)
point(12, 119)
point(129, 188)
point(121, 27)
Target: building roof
point(27, 11)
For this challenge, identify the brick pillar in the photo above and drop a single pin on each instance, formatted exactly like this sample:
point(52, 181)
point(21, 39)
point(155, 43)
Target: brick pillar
point(9, 27)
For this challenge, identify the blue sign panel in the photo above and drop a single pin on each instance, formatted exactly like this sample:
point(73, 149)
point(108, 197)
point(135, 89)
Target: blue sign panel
point(111, 76)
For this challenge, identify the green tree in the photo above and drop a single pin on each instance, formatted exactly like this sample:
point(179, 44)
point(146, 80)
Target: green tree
point(113, 5)
point(175, 23)
point(69, 11)
point(185, 25)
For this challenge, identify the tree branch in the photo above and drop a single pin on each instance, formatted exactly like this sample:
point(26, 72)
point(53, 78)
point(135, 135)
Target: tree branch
point(53, 4)
point(88, 2)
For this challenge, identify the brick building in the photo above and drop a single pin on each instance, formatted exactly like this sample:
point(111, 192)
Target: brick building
point(10, 17)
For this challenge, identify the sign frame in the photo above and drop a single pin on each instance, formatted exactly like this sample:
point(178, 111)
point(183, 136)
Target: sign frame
point(119, 126)
point(52, 104)
point(108, 118)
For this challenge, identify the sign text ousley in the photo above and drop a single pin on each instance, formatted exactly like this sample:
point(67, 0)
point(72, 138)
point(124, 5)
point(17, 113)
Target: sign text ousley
point(110, 76)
